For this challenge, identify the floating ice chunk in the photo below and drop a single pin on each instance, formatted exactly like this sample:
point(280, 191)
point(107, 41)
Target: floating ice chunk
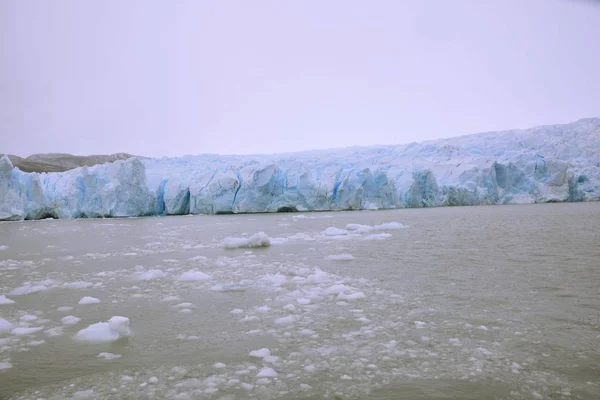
point(83, 394)
point(184, 305)
point(198, 258)
point(5, 365)
point(262, 353)
point(28, 318)
point(351, 296)
point(290, 319)
point(266, 372)
point(151, 275)
point(259, 239)
point(26, 331)
point(185, 311)
point(77, 285)
point(340, 257)
point(114, 329)
point(3, 247)
point(303, 301)
point(236, 311)
point(153, 380)
point(333, 231)
point(482, 327)
point(70, 320)
point(339, 288)
point(56, 331)
point(220, 365)
point(263, 309)
point(271, 359)
point(109, 356)
point(377, 236)
point(389, 226)
point(307, 332)
point(358, 228)
point(276, 279)
point(346, 378)
point(171, 298)
point(194, 275)
point(29, 289)
point(5, 326)
point(34, 343)
point(5, 300)
point(89, 300)
point(64, 308)
point(420, 324)
point(310, 368)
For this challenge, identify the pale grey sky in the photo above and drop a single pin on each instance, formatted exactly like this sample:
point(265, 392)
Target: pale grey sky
point(185, 77)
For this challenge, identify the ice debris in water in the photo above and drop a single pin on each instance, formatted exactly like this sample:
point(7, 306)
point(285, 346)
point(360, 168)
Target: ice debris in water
point(89, 300)
point(26, 331)
point(333, 231)
point(382, 227)
point(262, 353)
point(70, 320)
point(151, 275)
point(64, 308)
point(33, 287)
point(266, 372)
point(5, 300)
point(114, 329)
point(3, 247)
point(340, 257)
point(109, 356)
point(259, 239)
point(77, 285)
point(28, 318)
point(191, 276)
point(5, 326)
point(377, 236)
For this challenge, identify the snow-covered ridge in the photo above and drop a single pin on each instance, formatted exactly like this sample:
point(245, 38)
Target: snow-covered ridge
point(543, 164)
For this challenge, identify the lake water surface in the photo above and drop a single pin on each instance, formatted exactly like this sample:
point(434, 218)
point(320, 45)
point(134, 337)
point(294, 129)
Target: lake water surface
point(498, 302)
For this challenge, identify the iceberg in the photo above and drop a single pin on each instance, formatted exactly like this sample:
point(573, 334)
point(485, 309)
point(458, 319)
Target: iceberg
point(556, 163)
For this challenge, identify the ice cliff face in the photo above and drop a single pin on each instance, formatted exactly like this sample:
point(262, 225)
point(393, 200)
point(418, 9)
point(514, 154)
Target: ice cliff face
point(544, 164)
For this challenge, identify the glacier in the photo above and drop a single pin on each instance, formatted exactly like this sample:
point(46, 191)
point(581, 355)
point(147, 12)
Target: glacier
point(554, 163)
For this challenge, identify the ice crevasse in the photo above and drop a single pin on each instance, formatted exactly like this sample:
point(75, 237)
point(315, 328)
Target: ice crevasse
point(554, 163)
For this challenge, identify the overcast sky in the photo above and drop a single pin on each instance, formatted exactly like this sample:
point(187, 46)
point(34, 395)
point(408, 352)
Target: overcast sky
point(185, 77)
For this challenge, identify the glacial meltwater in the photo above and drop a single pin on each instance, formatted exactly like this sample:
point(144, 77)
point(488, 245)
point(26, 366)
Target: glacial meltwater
point(496, 302)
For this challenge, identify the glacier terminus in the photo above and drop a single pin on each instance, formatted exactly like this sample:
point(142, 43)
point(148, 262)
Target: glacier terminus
point(555, 163)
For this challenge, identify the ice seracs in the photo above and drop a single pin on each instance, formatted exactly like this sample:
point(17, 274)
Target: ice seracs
point(542, 164)
point(115, 328)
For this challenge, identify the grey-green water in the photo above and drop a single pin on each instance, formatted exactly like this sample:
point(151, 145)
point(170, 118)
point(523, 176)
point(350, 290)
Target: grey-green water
point(474, 303)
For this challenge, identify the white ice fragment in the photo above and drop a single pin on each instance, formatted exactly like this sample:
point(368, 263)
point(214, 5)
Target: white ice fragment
point(236, 311)
point(482, 327)
point(29, 289)
point(288, 320)
point(26, 331)
point(83, 394)
point(5, 365)
point(259, 239)
point(333, 231)
point(263, 309)
point(64, 308)
point(420, 324)
point(170, 298)
point(70, 320)
point(262, 353)
point(377, 236)
point(153, 380)
point(109, 356)
point(77, 285)
point(28, 318)
point(184, 305)
point(310, 368)
point(114, 329)
point(3, 247)
point(303, 301)
point(5, 326)
point(266, 372)
point(346, 378)
point(5, 300)
point(151, 275)
point(351, 296)
point(89, 300)
point(340, 257)
point(192, 276)
point(219, 365)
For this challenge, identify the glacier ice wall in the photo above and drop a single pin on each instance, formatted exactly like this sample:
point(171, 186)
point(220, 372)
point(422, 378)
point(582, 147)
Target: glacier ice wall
point(545, 164)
